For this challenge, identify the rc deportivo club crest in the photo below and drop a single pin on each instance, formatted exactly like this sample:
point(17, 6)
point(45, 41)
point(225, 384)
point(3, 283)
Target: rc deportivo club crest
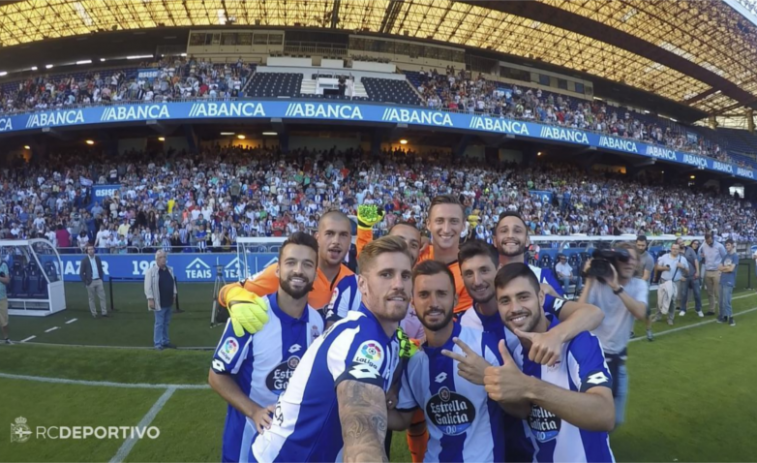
point(20, 432)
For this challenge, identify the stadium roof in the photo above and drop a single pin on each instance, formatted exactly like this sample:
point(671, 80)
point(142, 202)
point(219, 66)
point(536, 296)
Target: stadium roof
point(697, 52)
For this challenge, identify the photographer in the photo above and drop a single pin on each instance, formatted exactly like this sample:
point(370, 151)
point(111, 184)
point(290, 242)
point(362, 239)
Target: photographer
point(673, 280)
point(614, 285)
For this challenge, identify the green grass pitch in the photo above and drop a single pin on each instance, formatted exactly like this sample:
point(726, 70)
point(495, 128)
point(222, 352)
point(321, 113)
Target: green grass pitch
point(691, 391)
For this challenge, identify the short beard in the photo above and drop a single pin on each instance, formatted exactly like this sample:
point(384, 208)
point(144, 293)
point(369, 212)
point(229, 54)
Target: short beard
point(295, 294)
point(483, 301)
point(521, 250)
point(439, 326)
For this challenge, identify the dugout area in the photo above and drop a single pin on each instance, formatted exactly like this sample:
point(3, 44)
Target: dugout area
point(687, 388)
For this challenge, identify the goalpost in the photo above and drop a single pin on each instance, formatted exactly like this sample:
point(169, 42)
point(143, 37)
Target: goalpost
point(250, 250)
point(36, 288)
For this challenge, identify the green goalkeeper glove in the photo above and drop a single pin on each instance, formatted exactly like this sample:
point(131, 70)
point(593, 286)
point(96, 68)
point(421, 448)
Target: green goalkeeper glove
point(368, 216)
point(408, 347)
point(248, 311)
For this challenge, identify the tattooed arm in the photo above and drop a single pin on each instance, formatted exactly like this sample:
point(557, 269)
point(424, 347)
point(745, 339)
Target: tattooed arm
point(362, 411)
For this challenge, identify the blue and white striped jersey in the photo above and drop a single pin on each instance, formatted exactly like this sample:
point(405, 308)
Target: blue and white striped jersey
point(493, 323)
point(519, 446)
point(262, 365)
point(545, 275)
point(581, 368)
point(464, 425)
point(306, 425)
point(346, 297)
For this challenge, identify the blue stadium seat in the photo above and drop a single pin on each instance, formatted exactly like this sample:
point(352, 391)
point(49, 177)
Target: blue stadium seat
point(390, 91)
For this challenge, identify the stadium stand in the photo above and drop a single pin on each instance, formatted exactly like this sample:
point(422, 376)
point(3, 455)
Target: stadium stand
point(390, 91)
point(274, 84)
point(453, 90)
point(189, 202)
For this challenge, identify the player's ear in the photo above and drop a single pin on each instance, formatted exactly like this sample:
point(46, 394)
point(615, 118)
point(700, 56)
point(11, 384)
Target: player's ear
point(541, 297)
point(362, 285)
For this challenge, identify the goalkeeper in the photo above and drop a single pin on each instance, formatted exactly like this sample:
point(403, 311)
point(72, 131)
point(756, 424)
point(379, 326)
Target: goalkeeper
point(334, 237)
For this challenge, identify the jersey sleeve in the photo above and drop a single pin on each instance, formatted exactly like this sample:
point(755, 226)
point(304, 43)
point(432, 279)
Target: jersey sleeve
point(264, 283)
point(231, 351)
point(364, 236)
point(547, 276)
point(553, 305)
point(342, 300)
point(357, 356)
point(586, 363)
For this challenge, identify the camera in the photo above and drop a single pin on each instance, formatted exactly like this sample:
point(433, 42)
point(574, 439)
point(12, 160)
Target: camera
point(601, 261)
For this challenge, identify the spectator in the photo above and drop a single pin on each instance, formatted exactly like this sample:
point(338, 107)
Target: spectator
point(712, 253)
point(160, 291)
point(5, 280)
point(565, 275)
point(675, 270)
point(692, 284)
point(91, 274)
point(728, 270)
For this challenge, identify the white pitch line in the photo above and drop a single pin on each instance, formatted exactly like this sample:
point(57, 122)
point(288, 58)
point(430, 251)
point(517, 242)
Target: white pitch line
point(83, 382)
point(681, 328)
point(51, 329)
point(129, 443)
point(71, 321)
point(28, 339)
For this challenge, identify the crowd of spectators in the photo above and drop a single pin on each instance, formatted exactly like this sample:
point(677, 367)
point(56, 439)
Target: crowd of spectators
point(182, 78)
point(177, 78)
point(179, 201)
point(458, 90)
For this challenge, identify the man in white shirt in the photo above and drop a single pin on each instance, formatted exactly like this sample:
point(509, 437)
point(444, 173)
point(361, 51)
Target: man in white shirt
point(565, 274)
point(675, 270)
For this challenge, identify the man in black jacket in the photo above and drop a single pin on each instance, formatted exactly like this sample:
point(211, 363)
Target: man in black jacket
point(91, 274)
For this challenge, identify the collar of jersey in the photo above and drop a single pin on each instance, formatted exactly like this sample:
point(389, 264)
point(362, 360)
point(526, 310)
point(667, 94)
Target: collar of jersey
point(449, 345)
point(379, 329)
point(485, 319)
point(273, 300)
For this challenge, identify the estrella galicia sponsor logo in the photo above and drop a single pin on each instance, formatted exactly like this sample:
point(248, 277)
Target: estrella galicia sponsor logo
point(741, 172)
point(450, 412)
point(417, 116)
point(695, 161)
point(722, 167)
point(198, 269)
point(227, 109)
point(544, 424)
point(491, 124)
point(557, 133)
point(55, 118)
point(6, 124)
point(278, 379)
point(618, 144)
point(136, 113)
point(324, 111)
point(660, 152)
